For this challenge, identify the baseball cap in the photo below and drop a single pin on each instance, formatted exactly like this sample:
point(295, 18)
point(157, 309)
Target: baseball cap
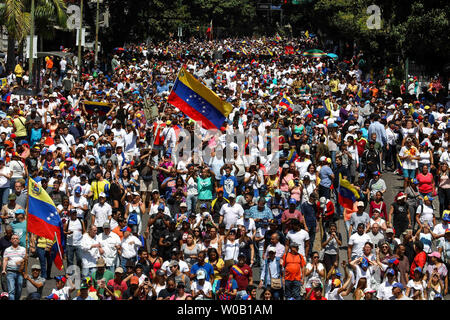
point(292, 201)
point(389, 230)
point(36, 266)
point(20, 211)
point(173, 263)
point(428, 198)
point(78, 189)
point(12, 196)
point(418, 269)
point(271, 249)
point(125, 229)
point(201, 274)
point(203, 206)
point(360, 204)
point(337, 282)
point(323, 158)
point(398, 285)
point(106, 225)
point(435, 254)
point(231, 195)
point(102, 195)
point(390, 271)
point(446, 217)
point(61, 278)
point(369, 290)
point(183, 204)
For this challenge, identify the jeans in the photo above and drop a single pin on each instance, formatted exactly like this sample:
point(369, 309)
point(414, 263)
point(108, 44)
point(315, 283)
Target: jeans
point(15, 281)
point(312, 237)
point(4, 193)
point(73, 252)
point(292, 289)
point(277, 294)
point(191, 202)
point(85, 272)
point(123, 262)
point(45, 260)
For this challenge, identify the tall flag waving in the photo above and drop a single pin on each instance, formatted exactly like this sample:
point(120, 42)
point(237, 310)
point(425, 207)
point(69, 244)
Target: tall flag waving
point(198, 102)
point(286, 102)
point(44, 220)
point(209, 31)
point(347, 193)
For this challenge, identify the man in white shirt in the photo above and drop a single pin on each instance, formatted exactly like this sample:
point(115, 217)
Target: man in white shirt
point(356, 243)
point(91, 251)
point(128, 247)
point(13, 264)
point(110, 242)
point(119, 134)
point(385, 289)
point(101, 212)
point(231, 212)
point(248, 223)
point(78, 203)
point(299, 236)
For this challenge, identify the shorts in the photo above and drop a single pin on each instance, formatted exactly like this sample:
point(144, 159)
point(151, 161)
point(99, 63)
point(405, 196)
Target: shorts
point(146, 186)
point(409, 173)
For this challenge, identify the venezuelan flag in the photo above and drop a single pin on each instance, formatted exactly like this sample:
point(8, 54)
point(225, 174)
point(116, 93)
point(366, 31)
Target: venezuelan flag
point(286, 102)
point(103, 107)
point(43, 218)
point(198, 102)
point(347, 193)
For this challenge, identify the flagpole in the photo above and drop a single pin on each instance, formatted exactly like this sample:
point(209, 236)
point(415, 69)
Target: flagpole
point(59, 249)
point(162, 112)
point(26, 227)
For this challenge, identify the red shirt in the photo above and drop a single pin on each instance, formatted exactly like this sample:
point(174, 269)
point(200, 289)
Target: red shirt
point(313, 297)
point(241, 275)
point(419, 261)
point(382, 206)
point(425, 182)
point(119, 288)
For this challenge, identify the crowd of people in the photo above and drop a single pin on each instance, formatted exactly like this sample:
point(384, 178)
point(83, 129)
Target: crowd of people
point(144, 222)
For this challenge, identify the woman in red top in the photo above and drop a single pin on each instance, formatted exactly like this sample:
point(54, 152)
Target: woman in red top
point(426, 182)
point(378, 203)
point(420, 258)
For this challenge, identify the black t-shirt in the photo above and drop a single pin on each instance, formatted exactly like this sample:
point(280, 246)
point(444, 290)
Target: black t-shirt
point(173, 238)
point(164, 293)
point(159, 227)
point(400, 213)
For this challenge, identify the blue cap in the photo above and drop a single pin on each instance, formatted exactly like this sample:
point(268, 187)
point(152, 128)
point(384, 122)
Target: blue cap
point(292, 201)
point(203, 206)
point(362, 175)
point(20, 211)
point(161, 206)
point(438, 296)
point(418, 269)
point(90, 143)
point(102, 149)
point(78, 189)
point(338, 274)
point(398, 285)
point(446, 217)
point(390, 271)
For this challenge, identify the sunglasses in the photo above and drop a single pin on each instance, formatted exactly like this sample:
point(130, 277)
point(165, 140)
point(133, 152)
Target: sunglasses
point(316, 257)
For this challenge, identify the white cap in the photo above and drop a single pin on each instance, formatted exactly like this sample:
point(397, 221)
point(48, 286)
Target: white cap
point(271, 249)
point(102, 194)
point(323, 158)
point(231, 195)
point(323, 200)
point(360, 204)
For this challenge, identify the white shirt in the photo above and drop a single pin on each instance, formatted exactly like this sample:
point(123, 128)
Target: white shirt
point(109, 243)
point(101, 213)
point(181, 264)
point(119, 136)
point(384, 291)
point(231, 214)
point(63, 293)
point(196, 287)
point(314, 275)
point(249, 225)
point(358, 243)
point(299, 237)
point(14, 255)
point(78, 203)
point(230, 250)
point(89, 255)
point(130, 246)
point(74, 239)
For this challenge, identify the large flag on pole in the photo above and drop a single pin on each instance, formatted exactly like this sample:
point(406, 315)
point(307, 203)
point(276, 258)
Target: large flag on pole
point(209, 31)
point(347, 193)
point(198, 102)
point(43, 218)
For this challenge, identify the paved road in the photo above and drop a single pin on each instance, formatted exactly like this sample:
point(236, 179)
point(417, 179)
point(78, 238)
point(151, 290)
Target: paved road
point(393, 182)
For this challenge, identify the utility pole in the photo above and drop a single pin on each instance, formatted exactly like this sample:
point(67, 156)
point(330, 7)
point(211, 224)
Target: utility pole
point(30, 60)
point(79, 40)
point(96, 32)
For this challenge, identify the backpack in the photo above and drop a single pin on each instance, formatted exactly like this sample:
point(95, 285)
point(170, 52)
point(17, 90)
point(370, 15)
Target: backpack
point(133, 218)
